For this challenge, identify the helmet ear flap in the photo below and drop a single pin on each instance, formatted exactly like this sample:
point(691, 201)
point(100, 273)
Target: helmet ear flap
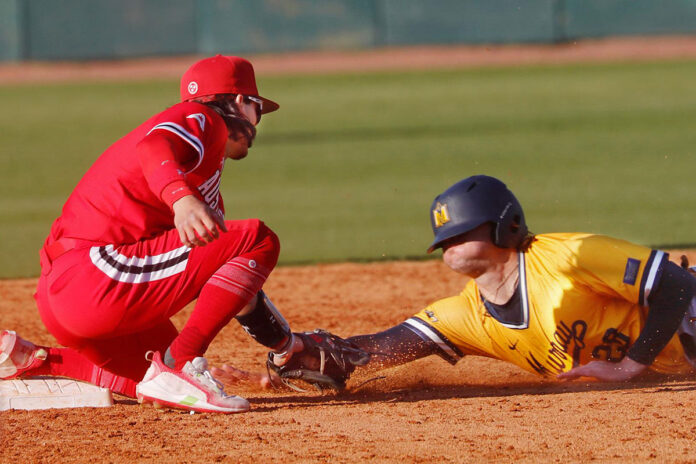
point(510, 229)
point(495, 233)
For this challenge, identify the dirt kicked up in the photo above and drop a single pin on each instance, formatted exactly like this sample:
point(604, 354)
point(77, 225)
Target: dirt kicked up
point(428, 411)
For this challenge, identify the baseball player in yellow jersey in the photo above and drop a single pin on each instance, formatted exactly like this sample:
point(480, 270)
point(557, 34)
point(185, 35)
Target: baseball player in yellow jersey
point(576, 299)
point(565, 304)
point(556, 304)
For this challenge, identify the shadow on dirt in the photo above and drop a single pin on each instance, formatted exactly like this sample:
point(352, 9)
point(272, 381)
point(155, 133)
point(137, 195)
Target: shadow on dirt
point(384, 390)
point(375, 392)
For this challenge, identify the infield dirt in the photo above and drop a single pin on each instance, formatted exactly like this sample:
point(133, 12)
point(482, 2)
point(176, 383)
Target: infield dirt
point(480, 410)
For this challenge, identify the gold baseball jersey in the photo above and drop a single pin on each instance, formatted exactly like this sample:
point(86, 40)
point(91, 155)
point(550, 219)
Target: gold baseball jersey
point(580, 297)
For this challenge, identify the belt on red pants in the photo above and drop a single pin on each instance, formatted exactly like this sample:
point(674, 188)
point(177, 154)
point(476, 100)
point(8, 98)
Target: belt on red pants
point(60, 247)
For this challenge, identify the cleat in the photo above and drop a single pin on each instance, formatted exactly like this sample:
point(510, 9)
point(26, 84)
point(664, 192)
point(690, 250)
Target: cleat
point(18, 356)
point(192, 389)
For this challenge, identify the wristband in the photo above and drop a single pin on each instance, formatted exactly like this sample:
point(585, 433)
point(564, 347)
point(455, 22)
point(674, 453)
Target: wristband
point(175, 191)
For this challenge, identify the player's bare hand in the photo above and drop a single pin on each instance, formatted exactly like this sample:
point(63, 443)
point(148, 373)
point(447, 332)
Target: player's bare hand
point(607, 371)
point(230, 375)
point(196, 222)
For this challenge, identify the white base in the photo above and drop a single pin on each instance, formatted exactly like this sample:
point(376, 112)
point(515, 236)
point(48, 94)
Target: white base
point(50, 392)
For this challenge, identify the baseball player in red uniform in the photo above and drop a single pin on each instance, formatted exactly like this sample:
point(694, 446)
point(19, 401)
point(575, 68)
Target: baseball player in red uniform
point(142, 235)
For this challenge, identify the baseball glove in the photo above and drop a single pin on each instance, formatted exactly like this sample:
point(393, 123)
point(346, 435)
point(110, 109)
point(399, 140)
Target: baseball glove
point(326, 362)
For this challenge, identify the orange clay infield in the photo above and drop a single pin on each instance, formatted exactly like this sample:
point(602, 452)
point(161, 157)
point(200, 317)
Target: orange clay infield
point(480, 410)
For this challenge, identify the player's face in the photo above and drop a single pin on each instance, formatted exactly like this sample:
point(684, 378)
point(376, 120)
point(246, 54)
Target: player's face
point(250, 108)
point(471, 253)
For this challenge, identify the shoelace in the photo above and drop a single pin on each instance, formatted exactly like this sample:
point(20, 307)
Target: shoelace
point(215, 382)
point(204, 377)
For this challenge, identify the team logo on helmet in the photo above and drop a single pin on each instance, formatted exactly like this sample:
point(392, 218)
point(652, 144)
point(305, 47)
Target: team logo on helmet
point(193, 87)
point(441, 215)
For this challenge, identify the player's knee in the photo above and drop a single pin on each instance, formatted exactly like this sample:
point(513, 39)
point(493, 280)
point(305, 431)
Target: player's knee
point(253, 239)
point(267, 245)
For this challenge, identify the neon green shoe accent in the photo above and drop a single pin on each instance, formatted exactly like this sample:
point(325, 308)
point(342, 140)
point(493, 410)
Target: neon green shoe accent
point(189, 401)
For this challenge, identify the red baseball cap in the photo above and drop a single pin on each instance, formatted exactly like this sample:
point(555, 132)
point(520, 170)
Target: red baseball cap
point(222, 74)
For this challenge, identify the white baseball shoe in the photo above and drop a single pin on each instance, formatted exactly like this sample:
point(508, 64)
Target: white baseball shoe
point(193, 388)
point(17, 355)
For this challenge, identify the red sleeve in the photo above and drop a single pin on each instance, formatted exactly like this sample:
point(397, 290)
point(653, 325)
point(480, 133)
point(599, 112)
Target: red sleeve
point(175, 191)
point(184, 138)
point(164, 158)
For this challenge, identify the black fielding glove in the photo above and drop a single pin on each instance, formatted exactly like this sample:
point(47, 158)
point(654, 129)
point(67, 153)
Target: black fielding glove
point(326, 361)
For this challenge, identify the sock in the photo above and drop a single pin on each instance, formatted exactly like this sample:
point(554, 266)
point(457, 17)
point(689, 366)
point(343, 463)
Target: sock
point(214, 309)
point(227, 291)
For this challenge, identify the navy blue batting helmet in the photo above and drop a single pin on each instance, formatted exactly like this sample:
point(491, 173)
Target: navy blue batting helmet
point(475, 201)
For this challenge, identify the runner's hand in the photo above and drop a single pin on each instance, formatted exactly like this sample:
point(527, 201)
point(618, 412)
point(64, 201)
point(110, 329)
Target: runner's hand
point(606, 371)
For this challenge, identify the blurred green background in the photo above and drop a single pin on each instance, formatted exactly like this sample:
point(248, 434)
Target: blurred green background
point(348, 167)
point(106, 29)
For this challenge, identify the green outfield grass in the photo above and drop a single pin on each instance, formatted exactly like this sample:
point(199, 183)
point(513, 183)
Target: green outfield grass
point(348, 167)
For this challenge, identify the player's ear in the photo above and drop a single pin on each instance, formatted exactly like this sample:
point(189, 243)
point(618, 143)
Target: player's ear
point(239, 99)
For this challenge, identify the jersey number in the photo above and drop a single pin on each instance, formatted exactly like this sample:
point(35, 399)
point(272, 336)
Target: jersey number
point(614, 348)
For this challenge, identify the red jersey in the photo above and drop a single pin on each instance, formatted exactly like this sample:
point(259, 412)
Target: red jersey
point(118, 201)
